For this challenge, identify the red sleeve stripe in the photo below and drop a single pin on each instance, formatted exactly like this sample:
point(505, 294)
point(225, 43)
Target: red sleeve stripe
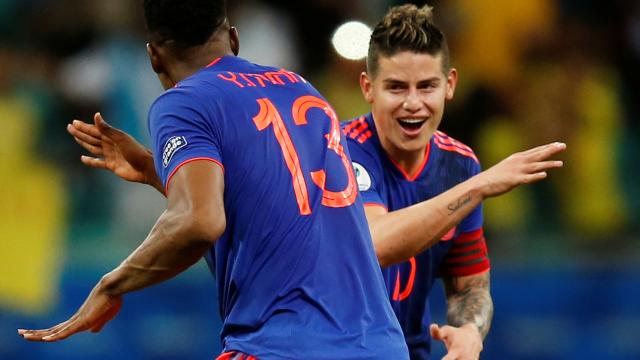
point(469, 262)
point(362, 138)
point(473, 235)
point(454, 256)
point(478, 250)
point(465, 246)
point(455, 149)
point(353, 124)
point(375, 204)
point(166, 187)
point(458, 271)
point(446, 139)
point(361, 128)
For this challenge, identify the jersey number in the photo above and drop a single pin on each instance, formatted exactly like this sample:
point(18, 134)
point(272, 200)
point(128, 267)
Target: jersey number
point(269, 115)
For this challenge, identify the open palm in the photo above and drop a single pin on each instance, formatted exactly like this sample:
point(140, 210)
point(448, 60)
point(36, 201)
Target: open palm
point(113, 150)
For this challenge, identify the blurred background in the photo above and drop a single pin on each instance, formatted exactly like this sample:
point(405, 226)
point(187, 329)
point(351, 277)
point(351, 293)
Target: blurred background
point(565, 253)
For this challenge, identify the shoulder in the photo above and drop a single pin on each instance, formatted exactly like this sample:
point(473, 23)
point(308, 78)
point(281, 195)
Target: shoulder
point(182, 96)
point(358, 130)
point(459, 159)
point(180, 106)
point(454, 148)
point(358, 133)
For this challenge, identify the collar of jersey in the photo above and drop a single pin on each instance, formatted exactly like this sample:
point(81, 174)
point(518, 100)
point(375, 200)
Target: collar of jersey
point(402, 171)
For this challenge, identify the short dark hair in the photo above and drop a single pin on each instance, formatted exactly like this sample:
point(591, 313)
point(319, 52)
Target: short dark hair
point(186, 23)
point(406, 28)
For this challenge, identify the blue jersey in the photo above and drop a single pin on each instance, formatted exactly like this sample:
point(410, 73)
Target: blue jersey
point(461, 252)
point(296, 272)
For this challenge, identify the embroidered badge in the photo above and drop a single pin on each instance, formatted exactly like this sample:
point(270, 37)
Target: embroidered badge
point(172, 145)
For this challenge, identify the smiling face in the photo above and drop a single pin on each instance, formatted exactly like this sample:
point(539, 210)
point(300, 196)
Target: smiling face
point(407, 94)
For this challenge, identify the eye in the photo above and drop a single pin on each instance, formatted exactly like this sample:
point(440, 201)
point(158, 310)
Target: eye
point(395, 87)
point(428, 85)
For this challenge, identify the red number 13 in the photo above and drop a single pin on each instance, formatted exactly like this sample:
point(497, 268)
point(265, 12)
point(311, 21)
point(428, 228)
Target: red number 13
point(269, 115)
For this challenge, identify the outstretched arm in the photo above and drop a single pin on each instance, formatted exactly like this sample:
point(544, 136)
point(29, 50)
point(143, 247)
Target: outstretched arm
point(469, 314)
point(399, 235)
point(193, 221)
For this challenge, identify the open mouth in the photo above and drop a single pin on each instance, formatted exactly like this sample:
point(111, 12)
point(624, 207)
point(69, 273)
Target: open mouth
point(410, 124)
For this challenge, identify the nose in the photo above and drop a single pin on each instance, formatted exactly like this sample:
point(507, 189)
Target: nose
point(412, 102)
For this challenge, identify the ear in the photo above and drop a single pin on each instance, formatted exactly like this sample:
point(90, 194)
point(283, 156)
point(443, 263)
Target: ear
point(154, 58)
point(452, 80)
point(366, 86)
point(234, 40)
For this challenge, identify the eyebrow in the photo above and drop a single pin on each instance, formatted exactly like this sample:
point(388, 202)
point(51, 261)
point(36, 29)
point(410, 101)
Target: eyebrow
point(392, 81)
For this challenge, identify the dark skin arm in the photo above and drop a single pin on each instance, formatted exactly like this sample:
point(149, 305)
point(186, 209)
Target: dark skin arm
point(193, 221)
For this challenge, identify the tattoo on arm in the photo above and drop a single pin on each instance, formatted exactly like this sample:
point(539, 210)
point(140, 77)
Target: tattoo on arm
point(456, 205)
point(469, 301)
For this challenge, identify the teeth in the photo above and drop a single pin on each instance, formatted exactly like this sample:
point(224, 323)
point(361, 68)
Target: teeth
point(411, 121)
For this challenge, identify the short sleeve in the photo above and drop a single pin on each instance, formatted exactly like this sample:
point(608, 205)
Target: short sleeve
point(475, 219)
point(469, 254)
point(368, 175)
point(182, 131)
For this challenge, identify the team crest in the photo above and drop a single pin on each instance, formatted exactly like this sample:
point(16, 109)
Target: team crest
point(172, 145)
point(362, 176)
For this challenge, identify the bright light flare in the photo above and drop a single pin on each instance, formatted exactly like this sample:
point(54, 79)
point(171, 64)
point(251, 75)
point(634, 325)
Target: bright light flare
point(351, 40)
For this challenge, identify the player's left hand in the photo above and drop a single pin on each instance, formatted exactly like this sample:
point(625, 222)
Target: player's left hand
point(462, 343)
point(97, 310)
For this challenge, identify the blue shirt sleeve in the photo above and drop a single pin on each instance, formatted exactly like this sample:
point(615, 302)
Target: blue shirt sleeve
point(182, 130)
point(474, 220)
point(368, 175)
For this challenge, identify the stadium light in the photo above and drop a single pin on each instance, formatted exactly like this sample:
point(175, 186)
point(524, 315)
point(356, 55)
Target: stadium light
point(351, 40)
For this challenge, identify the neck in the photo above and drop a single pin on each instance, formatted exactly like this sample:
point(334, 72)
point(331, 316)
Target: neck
point(410, 161)
point(200, 58)
point(187, 62)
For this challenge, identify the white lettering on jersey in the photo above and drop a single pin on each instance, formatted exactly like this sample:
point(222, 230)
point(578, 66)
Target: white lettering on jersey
point(172, 145)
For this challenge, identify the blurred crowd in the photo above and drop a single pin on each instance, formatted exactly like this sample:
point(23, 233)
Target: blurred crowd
point(531, 71)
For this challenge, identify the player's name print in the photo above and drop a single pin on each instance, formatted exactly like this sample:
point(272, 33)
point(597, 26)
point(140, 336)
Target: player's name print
point(248, 80)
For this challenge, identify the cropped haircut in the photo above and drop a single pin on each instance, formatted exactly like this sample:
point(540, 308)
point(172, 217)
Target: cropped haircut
point(185, 23)
point(406, 28)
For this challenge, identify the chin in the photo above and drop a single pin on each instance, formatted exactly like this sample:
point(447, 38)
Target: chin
point(414, 145)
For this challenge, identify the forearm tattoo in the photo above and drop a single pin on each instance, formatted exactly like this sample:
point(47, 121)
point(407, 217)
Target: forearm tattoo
point(456, 205)
point(470, 303)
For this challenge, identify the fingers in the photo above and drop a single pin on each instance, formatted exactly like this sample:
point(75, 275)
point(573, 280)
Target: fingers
point(95, 150)
point(81, 126)
point(545, 151)
point(436, 332)
point(74, 326)
point(83, 135)
point(544, 165)
point(40, 335)
point(531, 178)
point(93, 162)
point(105, 128)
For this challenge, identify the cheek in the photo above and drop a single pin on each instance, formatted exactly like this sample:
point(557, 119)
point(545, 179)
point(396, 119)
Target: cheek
point(435, 102)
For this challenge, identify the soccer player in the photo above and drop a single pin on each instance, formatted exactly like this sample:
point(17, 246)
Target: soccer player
point(418, 184)
point(403, 163)
point(258, 179)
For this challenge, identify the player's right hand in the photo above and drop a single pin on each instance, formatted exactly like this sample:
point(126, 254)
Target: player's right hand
point(113, 150)
point(520, 168)
point(97, 310)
